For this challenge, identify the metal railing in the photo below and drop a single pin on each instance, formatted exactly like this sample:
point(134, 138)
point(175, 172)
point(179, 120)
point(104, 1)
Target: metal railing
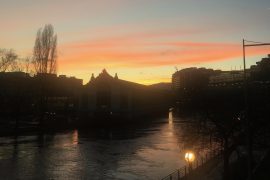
point(199, 162)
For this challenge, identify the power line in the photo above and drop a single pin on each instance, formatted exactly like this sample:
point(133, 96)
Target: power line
point(255, 42)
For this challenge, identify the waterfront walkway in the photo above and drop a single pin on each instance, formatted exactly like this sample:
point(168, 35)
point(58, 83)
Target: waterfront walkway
point(204, 168)
point(210, 170)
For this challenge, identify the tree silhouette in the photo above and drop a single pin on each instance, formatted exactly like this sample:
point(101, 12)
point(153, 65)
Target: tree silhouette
point(7, 60)
point(45, 50)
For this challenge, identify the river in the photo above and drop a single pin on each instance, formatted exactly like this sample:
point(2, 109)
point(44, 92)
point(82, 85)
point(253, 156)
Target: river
point(139, 153)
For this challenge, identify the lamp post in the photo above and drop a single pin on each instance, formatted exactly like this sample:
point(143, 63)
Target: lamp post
point(189, 157)
point(247, 43)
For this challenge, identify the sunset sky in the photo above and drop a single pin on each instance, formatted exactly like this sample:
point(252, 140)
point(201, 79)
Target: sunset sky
point(141, 40)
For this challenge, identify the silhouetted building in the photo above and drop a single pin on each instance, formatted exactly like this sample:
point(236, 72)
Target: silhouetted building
point(25, 95)
point(111, 96)
point(261, 71)
point(225, 78)
point(14, 92)
point(191, 78)
point(61, 93)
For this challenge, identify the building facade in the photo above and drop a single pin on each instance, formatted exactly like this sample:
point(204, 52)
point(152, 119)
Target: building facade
point(109, 96)
point(228, 78)
point(191, 78)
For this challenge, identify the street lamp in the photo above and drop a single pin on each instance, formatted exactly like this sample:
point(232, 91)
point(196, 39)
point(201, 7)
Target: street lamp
point(189, 157)
point(248, 121)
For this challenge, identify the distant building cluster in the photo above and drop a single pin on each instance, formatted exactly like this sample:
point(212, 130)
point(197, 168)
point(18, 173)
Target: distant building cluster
point(261, 71)
point(196, 78)
point(192, 78)
point(52, 82)
point(19, 87)
point(227, 77)
point(50, 97)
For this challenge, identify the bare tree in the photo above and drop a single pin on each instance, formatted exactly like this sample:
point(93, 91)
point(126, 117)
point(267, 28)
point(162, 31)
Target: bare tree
point(45, 50)
point(8, 60)
point(27, 64)
point(22, 64)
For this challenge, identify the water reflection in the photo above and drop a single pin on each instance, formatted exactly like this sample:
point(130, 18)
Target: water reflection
point(170, 117)
point(75, 137)
point(170, 126)
point(148, 152)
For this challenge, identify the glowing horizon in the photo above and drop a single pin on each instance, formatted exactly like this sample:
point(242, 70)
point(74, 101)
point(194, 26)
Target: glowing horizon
point(141, 41)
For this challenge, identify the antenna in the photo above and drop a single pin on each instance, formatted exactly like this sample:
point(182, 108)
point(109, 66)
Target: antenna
point(176, 68)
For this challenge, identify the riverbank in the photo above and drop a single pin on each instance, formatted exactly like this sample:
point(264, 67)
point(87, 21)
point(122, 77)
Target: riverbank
point(213, 170)
point(10, 128)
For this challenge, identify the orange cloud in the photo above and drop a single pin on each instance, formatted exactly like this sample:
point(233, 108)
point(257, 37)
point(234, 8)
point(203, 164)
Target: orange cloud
point(140, 50)
point(173, 53)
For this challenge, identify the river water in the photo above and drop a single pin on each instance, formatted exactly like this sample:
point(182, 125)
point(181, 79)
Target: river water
point(149, 152)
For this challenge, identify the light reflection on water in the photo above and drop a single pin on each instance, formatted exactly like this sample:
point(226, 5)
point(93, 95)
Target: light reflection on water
point(170, 117)
point(75, 137)
point(145, 153)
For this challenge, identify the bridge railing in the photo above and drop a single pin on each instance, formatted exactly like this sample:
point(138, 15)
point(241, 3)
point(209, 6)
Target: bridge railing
point(199, 162)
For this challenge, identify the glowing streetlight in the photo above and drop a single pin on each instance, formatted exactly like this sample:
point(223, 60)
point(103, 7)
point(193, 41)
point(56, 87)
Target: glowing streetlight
point(189, 157)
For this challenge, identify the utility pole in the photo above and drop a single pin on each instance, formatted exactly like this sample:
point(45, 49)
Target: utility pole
point(247, 108)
